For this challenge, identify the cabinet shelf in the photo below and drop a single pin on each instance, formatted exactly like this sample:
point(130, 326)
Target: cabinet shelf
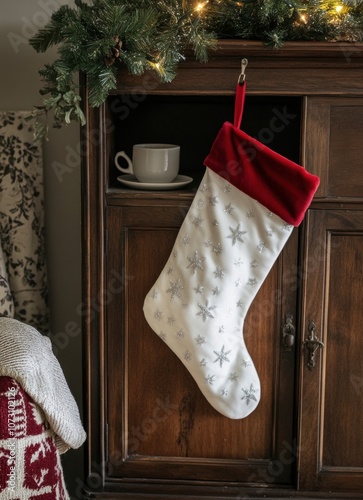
point(135, 197)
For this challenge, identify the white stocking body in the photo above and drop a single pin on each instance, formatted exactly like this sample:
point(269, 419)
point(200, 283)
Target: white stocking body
point(224, 250)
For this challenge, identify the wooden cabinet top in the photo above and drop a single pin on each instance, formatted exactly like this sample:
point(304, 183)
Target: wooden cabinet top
point(299, 68)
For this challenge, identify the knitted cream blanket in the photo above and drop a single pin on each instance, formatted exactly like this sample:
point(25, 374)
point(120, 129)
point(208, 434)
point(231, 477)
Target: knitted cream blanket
point(27, 357)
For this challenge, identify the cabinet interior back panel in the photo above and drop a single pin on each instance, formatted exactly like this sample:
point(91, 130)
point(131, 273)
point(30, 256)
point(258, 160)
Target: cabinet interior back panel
point(193, 123)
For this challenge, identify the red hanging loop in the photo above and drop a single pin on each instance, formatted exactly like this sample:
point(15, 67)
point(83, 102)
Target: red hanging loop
point(240, 94)
point(239, 103)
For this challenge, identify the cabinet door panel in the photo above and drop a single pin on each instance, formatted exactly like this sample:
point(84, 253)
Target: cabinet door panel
point(332, 397)
point(159, 424)
point(332, 145)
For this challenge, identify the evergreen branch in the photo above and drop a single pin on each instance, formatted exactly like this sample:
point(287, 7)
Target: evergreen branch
point(53, 33)
point(96, 36)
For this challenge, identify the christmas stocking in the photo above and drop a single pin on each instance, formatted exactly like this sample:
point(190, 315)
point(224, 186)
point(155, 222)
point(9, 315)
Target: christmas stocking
point(239, 221)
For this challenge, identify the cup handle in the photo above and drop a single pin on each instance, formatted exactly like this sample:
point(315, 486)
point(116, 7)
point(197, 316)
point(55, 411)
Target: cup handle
point(128, 170)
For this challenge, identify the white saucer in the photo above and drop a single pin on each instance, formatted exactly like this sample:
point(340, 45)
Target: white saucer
point(131, 181)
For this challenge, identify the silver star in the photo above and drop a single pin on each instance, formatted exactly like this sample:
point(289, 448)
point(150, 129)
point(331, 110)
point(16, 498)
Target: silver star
point(227, 188)
point(162, 336)
point(199, 289)
point(158, 314)
point(236, 234)
point(221, 329)
point(203, 362)
point(155, 294)
point(233, 377)
point(261, 247)
point(287, 227)
point(215, 222)
point(170, 270)
point(206, 311)
point(208, 243)
point(171, 320)
point(246, 362)
point(250, 214)
point(238, 263)
point(186, 239)
point(221, 356)
point(240, 303)
point(209, 379)
point(200, 203)
point(269, 231)
point(269, 213)
point(200, 340)
point(175, 254)
point(237, 282)
point(218, 273)
point(198, 221)
point(213, 200)
point(228, 209)
point(175, 288)
point(216, 290)
point(249, 394)
point(180, 334)
point(203, 187)
point(218, 249)
point(254, 264)
point(224, 392)
point(252, 282)
point(195, 262)
point(187, 356)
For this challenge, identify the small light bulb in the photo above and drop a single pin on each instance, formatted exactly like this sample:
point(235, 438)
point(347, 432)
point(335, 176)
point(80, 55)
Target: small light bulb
point(200, 6)
point(339, 8)
point(303, 18)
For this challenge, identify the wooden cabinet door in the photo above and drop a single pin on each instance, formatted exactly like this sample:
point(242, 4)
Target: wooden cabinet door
point(331, 399)
point(163, 436)
point(332, 145)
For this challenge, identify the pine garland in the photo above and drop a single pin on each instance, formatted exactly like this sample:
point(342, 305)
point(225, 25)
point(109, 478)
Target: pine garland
point(97, 36)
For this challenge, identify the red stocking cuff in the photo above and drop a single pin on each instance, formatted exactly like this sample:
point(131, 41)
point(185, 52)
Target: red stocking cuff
point(282, 186)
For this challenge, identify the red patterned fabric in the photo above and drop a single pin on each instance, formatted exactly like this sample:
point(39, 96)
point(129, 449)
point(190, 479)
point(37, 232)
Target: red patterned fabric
point(30, 465)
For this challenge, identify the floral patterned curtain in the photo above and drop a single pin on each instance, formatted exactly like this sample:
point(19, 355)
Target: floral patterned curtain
point(23, 276)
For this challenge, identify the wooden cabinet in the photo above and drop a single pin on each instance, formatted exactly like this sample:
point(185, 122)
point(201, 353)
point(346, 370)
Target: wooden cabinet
point(151, 434)
point(331, 422)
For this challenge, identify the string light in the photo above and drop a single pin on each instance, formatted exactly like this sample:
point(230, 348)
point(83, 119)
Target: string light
point(303, 18)
point(200, 6)
point(339, 8)
point(157, 66)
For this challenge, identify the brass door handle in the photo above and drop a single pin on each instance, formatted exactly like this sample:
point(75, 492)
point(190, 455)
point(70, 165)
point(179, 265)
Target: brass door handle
point(288, 333)
point(312, 344)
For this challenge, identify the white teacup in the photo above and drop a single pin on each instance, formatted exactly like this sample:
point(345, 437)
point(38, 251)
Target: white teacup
point(151, 163)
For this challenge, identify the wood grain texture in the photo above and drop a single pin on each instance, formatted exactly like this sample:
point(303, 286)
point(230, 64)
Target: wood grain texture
point(333, 135)
point(331, 397)
point(169, 429)
point(151, 435)
point(300, 68)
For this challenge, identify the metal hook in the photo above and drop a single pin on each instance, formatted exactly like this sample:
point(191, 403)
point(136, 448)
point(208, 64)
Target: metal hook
point(242, 76)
